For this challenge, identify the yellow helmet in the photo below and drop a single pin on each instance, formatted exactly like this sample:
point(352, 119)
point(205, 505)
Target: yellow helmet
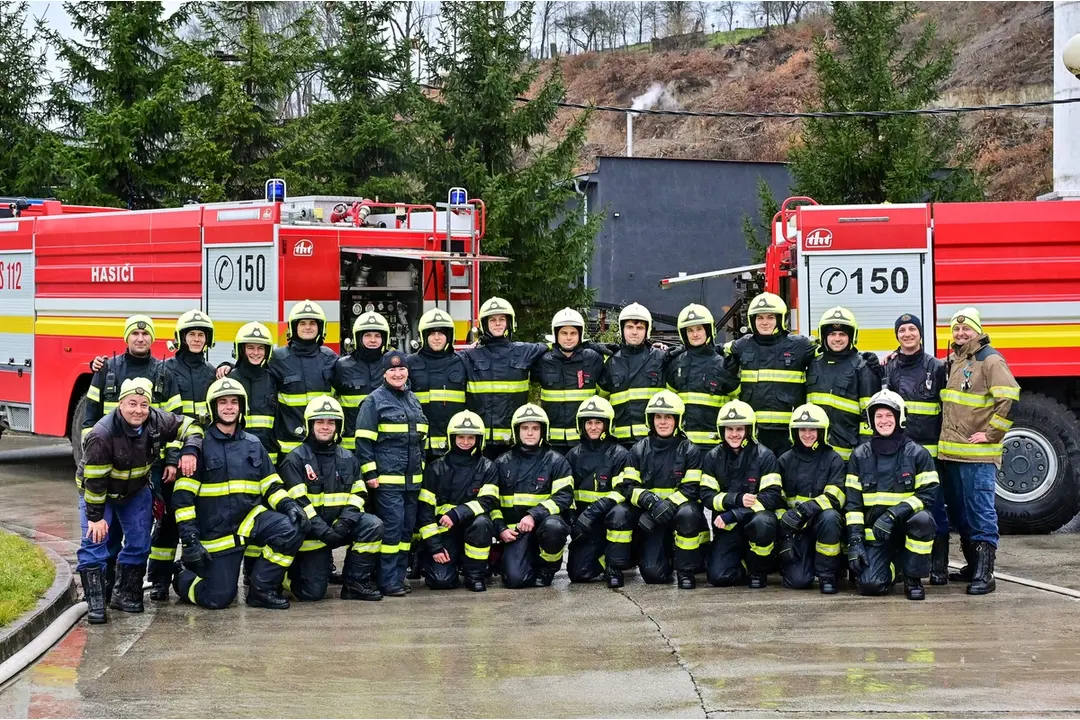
point(140, 322)
point(889, 399)
point(665, 402)
point(370, 322)
point(595, 408)
point(226, 387)
point(764, 304)
point(137, 386)
point(194, 320)
point(530, 413)
point(307, 310)
point(637, 311)
point(568, 317)
point(253, 333)
point(498, 306)
point(841, 317)
point(692, 315)
point(436, 319)
point(324, 407)
point(809, 416)
point(735, 414)
point(466, 422)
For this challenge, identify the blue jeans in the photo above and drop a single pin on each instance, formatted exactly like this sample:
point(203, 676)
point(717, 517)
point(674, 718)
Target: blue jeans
point(941, 517)
point(133, 518)
point(970, 496)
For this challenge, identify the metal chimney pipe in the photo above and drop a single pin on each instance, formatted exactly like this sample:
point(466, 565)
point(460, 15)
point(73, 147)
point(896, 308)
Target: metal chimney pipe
point(1066, 117)
point(630, 134)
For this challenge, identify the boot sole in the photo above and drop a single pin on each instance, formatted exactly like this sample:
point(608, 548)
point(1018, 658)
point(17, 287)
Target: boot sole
point(939, 581)
point(989, 589)
point(96, 621)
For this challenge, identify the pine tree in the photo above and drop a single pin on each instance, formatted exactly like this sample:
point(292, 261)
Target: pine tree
point(485, 143)
point(22, 127)
point(758, 234)
point(875, 159)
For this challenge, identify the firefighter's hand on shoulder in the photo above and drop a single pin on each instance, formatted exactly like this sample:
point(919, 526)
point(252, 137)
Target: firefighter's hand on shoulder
point(188, 465)
point(97, 363)
point(169, 474)
point(664, 347)
point(873, 363)
point(442, 557)
point(508, 536)
point(527, 524)
point(888, 358)
point(223, 370)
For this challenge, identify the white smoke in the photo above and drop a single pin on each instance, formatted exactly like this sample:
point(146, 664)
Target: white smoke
point(657, 96)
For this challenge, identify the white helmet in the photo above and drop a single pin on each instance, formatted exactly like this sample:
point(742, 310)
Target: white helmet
point(637, 311)
point(568, 317)
point(889, 399)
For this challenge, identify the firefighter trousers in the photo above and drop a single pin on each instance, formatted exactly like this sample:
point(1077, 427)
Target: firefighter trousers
point(397, 510)
point(541, 549)
point(741, 548)
point(909, 547)
point(216, 589)
point(815, 550)
point(309, 576)
point(585, 560)
point(163, 544)
point(674, 546)
point(469, 547)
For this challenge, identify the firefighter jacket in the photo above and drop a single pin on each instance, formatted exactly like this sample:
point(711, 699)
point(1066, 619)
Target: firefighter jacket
point(727, 475)
point(460, 485)
point(234, 478)
point(978, 396)
point(813, 475)
point(498, 382)
point(262, 403)
point(104, 391)
point(302, 370)
point(355, 376)
point(667, 467)
point(117, 457)
point(702, 381)
point(919, 380)
point(438, 381)
point(566, 382)
point(533, 481)
point(631, 377)
point(390, 439)
point(877, 481)
point(842, 383)
point(772, 375)
point(325, 479)
point(193, 376)
point(599, 468)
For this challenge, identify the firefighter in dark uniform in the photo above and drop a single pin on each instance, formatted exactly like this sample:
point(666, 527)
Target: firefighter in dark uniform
point(665, 469)
point(741, 485)
point(498, 372)
point(841, 381)
point(360, 372)
point(251, 350)
point(568, 375)
point(113, 481)
point(390, 439)
point(633, 374)
point(325, 479)
point(699, 376)
point(599, 463)
point(536, 493)
point(813, 477)
point(772, 367)
point(891, 483)
point(236, 496)
point(461, 489)
point(437, 377)
point(193, 375)
point(919, 377)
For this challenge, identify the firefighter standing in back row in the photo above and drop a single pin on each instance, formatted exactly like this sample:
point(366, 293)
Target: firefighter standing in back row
point(568, 375)
point(360, 372)
point(221, 508)
point(841, 381)
point(437, 377)
point(700, 377)
point(633, 375)
point(772, 367)
point(918, 377)
point(251, 350)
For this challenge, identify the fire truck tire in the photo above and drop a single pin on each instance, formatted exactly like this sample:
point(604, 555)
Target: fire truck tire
point(1038, 487)
point(77, 416)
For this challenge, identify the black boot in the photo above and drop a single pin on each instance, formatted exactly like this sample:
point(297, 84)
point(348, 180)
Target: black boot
point(544, 577)
point(614, 577)
point(965, 573)
point(939, 561)
point(110, 579)
point(159, 591)
point(828, 584)
point(128, 595)
point(336, 578)
point(93, 582)
point(413, 571)
point(408, 587)
point(271, 599)
point(249, 565)
point(360, 590)
point(758, 581)
point(687, 581)
point(913, 588)
point(475, 584)
point(982, 579)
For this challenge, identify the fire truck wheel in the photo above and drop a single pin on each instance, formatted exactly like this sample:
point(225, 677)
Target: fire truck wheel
point(77, 416)
point(1038, 487)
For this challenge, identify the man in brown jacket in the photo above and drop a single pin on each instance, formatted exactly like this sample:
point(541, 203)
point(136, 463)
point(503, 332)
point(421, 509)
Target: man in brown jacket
point(975, 408)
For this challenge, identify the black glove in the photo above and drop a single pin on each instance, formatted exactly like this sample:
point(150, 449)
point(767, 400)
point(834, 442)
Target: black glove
point(648, 499)
point(856, 556)
point(796, 517)
point(646, 522)
point(662, 511)
point(195, 557)
point(883, 528)
point(292, 510)
point(582, 526)
point(874, 363)
point(786, 549)
point(598, 347)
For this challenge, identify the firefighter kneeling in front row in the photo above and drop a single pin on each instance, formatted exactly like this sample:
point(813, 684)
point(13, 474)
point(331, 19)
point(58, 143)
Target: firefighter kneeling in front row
point(460, 488)
point(891, 484)
point(536, 491)
point(325, 479)
point(740, 483)
point(222, 508)
point(812, 473)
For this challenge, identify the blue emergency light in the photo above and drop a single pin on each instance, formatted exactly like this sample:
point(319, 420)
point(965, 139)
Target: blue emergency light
point(275, 190)
point(458, 196)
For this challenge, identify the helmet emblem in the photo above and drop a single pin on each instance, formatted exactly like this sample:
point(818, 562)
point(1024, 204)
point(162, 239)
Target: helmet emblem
point(905, 317)
point(466, 423)
point(308, 309)
point(805, 417)
point(839, 314)
point(139, 391)
point(591, 406)
point(196, 316)
point(256, 332)
point(661, 402)
point(226, 384)
point(327, 406)
point(733, 414)
point(494, 305)
point(141, 325)
point(960, 319)
point(763, 302)
point(371, 319)
point(692, 315)
point(395, 361)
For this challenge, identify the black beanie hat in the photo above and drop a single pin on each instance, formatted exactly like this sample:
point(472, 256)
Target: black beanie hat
point(904, 320)
point(393, 359)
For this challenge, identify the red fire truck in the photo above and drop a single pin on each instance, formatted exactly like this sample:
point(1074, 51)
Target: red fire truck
point(1017, 262)
point(70, 275)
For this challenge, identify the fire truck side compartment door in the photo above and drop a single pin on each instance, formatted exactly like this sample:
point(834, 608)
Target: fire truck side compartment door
point(17, 321)
point(240, 285)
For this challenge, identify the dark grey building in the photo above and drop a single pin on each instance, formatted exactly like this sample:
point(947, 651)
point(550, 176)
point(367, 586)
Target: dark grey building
point(665, 216)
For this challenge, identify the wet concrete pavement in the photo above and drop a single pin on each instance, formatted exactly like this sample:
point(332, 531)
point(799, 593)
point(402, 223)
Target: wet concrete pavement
point(565, 651)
